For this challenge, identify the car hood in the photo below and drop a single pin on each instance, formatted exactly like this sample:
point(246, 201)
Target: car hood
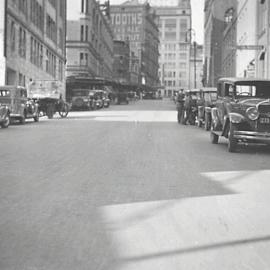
point(253, 101)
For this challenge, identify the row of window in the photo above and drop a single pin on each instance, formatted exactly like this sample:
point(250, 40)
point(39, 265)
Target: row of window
point(174, 47)
point(172, 83)
point(173, 74)
point(37, 14)
point(172, 65)
point(36, 52)
point(172, 56)
point(51, 28)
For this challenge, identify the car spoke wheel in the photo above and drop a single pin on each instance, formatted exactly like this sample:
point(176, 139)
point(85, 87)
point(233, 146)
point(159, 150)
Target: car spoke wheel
point(64, 111)
point(36, 118)
point(6, 121)
point(232, 143)
point(22, 119)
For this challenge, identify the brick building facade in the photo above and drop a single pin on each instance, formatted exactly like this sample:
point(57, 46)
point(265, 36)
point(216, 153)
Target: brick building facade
point(136, 23)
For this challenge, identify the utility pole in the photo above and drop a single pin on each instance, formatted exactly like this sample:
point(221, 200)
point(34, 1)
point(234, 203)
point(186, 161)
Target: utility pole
point(191, 32)
point(195, 65)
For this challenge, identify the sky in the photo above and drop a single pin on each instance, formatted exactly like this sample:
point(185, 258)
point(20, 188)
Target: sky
point(197, 17)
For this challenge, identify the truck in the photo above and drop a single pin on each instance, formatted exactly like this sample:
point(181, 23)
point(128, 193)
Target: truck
point(49, 94)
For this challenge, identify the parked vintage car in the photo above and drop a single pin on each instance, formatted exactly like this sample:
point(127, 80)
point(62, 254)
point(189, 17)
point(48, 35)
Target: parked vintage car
point(20, 107)
point(242, 112)
point(81, 99)
point(190, 117)
point(4, 114)
point(208, 97)
point(121, 97)
point(102, 99)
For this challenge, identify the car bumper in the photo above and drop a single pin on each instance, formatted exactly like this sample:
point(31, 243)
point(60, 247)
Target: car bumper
point(253, 136)
point(15, 115)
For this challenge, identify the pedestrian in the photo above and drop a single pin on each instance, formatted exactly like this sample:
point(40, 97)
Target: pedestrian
point(180, 105)
point(187, 107)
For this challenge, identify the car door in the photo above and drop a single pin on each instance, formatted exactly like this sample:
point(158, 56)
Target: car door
point(23, 100)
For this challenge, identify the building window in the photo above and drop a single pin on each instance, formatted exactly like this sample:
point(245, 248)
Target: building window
point(53, 2)
point(37, 14)
point(12, 36)
point(62, 9)
point(21, 79)
point(61, 39)
point(86, 32)
point(51, 29)
point(228, 17)
point(36, 53)
point(82, 32)
point(22, 43)
point(83, 59)
point(60, 71)
point(23, 6)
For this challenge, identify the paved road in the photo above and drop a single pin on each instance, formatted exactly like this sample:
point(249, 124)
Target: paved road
point(127, 188)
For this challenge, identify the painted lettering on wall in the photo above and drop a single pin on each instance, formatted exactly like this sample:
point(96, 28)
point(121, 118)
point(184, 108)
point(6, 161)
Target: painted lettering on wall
point(126, 18)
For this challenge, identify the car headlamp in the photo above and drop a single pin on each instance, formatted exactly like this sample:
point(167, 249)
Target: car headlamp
point(252, 113)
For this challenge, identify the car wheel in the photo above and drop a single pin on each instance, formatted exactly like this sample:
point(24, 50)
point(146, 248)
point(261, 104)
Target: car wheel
point(36, 118)
point(214, 138)
point(50, 111)
point(6, 121)
point(232, 142)
point(207, 124)
point(22, 119)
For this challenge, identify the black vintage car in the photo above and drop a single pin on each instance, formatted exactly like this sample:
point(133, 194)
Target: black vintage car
point(242, 112)
point(122, 97)
point(208, 97)
point(20, 107)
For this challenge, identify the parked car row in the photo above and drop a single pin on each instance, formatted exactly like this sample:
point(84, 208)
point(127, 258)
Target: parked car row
point(85, 99)
point(238, 110)
point(16, 105)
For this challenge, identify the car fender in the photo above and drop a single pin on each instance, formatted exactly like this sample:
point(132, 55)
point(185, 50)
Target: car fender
point(236, 118)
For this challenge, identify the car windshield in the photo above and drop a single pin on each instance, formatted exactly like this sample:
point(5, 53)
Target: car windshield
point(4, 93)
point(256, 89)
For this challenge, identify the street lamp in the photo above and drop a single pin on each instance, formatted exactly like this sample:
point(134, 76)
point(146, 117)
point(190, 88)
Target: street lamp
point(191, 32)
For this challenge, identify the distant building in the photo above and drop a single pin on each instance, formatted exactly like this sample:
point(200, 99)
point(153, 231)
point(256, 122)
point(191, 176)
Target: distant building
point(174, 32)
point(121, 62)
point(136, 23)
point(89, 40)
point(32, 41)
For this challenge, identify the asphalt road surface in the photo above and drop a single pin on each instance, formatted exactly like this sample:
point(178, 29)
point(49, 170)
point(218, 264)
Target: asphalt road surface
point(128, 188)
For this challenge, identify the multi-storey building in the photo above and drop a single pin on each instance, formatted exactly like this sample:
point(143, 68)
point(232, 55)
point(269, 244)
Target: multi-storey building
point(239, 39)
point(89, 40)
point(32, 38)
point(174, 63)
point(121, 62)
point(214, 24)
point(136, 23)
